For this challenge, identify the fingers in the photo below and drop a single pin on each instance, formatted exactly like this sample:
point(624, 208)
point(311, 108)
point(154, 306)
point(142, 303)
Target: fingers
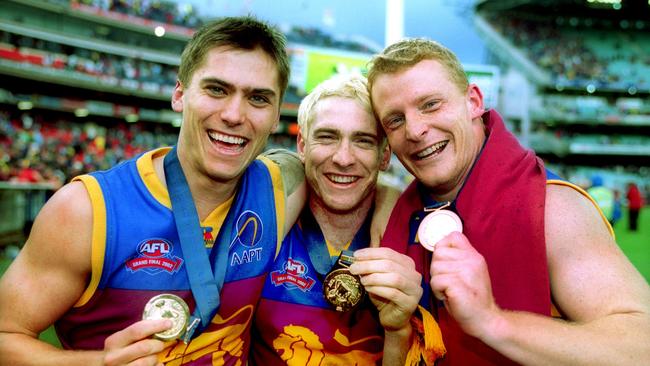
point(388, 275)
point(385, 268)
point(440, 284)
point(362, 256)
point(137, 331)
point(407, 302)
point(454, 240)
point(134, 343)
point(407, 282)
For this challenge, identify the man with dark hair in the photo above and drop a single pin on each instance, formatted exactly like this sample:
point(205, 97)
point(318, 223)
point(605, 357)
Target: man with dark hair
point(522, 239)
point(198, 224)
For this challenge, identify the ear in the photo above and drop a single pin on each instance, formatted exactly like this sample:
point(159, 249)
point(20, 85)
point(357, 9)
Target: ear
point(475, 101)
point(385, 158)
point(177, 97)
point(300, 146)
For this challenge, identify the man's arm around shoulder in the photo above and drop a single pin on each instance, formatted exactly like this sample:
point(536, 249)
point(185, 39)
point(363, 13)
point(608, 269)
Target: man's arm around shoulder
point(293, 179)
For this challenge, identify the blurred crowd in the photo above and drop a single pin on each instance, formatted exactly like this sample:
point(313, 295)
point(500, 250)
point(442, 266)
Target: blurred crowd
point(185, 14)
point(579, 56)
point(48, 54)
point(169, 12)
point(112, 69)
point(43, 148)
point(40, 148)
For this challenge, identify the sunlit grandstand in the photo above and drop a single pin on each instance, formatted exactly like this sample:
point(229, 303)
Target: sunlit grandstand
point(576, 82)
point(85, 84)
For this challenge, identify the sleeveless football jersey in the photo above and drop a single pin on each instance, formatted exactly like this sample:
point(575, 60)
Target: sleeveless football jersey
point(295, 325)
point(136, 254)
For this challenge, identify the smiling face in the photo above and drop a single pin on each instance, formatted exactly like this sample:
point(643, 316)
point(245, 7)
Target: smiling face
point(343, 154)
point(230, 107)
point(433, 127)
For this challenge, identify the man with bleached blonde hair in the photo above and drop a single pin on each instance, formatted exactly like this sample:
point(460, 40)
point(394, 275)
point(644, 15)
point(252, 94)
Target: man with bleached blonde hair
point(343, 149)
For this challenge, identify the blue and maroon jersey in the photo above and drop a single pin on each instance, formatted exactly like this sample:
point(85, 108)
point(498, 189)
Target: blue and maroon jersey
point(295, 325)
point(136, 254)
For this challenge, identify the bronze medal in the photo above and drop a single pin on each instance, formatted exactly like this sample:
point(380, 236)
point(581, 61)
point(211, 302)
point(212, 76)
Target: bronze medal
point(436, 225)
point(342, 289)
point(172, 307)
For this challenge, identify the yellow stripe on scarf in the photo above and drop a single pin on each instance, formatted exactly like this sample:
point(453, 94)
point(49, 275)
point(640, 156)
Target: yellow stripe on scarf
point(427, 344)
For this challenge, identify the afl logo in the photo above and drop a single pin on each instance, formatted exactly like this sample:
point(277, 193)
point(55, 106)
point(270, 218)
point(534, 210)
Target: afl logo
point(154, 248)
point(154, 256)
point(293, 275)
point(249, 229)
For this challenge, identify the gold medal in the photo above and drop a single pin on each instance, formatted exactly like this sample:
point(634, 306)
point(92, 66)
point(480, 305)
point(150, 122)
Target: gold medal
point(172, 307)
point(342, 289)
point(436, 225)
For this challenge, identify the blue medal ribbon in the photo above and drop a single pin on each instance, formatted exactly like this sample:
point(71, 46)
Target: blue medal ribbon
point(315, 241)
point(206, 281)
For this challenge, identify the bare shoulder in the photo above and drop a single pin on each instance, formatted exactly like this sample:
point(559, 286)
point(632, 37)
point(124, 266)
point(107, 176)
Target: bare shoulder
point(570, 213)
point(291, 168)
point(61, 236)
point(51, 271)
point(590, 275)
point(65, 222)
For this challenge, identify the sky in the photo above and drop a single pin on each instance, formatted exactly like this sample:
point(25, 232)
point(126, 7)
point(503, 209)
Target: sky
point(446, 21)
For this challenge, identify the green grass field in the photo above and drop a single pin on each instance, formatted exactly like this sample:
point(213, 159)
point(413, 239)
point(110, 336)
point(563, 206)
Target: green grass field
point(636, 245)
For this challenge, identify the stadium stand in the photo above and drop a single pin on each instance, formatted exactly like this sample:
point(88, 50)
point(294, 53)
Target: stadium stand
point(85, 84)
point(586, 71)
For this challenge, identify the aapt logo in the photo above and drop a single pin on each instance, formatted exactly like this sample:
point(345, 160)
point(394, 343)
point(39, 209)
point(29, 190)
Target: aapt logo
point(250, 230)
point(155, 256)
point(294, 275)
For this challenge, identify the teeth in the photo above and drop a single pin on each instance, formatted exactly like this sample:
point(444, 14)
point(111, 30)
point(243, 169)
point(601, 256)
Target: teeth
point(227, 139)
point(341, 178)
point(430, 150)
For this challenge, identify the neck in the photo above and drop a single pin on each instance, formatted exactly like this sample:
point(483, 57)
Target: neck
point(339, 228)
point(207, 193)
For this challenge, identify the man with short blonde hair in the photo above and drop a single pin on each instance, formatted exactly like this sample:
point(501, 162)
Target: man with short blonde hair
point(529, 240)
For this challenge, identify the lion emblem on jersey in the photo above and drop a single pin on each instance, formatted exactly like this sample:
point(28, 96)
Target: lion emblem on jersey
point(302, 347)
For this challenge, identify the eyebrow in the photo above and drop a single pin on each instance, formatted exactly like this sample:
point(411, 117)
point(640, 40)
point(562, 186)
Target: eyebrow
point(431, 95)
point(366, 134)
point(212, 80)
point(338, 133)
point(419, 100)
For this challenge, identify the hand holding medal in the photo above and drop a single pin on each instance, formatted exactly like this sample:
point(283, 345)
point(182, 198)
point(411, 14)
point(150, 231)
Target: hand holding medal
point(342, 289)
point(172, 307)
point(436, 225)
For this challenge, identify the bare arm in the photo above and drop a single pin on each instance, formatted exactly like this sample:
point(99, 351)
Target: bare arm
point(606, 301)
point(293, 179)
point(47, 278)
